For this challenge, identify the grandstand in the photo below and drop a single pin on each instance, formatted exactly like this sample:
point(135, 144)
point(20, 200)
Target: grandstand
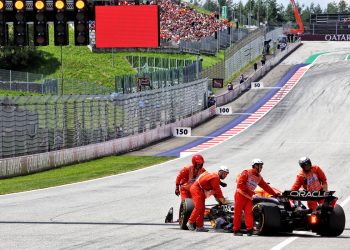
point(184, 29)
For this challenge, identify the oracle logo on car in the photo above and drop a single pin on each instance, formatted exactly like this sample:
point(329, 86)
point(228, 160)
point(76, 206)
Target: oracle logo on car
point(315, 194)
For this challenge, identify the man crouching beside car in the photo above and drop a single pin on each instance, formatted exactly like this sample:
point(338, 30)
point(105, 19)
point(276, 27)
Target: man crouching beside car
point(206, 183)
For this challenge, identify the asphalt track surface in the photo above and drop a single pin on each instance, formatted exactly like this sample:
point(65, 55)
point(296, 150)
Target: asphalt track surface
point(127, 211)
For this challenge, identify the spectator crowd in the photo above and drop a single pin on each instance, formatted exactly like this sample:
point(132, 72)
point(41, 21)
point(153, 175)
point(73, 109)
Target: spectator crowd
point(180, 22)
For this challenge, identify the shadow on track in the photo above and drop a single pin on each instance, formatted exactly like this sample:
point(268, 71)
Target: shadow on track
point(86, 223)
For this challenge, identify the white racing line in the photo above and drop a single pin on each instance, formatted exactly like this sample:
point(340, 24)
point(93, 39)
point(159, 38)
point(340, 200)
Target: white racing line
point(291, 239)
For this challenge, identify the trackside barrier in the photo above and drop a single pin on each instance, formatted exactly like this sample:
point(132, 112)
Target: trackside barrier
point(229, 96)
point(24, 165)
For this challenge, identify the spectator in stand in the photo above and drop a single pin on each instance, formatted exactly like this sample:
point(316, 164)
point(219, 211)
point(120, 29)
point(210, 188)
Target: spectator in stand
point(179, 22)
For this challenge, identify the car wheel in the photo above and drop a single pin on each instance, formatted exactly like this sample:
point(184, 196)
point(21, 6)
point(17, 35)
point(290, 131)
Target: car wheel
point(335, 223)
point(185, 211)
point(267, 218)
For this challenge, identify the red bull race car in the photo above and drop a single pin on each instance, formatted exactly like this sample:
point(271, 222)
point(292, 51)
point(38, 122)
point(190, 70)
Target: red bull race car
point(283, 214)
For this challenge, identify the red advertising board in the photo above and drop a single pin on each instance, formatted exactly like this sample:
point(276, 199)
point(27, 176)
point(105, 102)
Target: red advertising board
point(130, 26)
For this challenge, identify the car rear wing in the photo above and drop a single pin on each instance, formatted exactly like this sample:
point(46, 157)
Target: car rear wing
point(303, 195)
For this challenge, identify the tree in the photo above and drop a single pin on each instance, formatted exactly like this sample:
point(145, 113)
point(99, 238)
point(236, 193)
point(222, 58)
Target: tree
point(239, 12)
point(272, 11)
point(305, 15)
point(332, 8)
point(315, 9)
point(210, 5)
point(289, 13)
point(196, 3)
point(280, 13)
point(342, 7)
point(19, 58)
point(222, 3)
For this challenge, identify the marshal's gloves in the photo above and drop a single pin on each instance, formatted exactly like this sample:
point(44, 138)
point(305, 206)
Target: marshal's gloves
point(223, 184)
point(177, 191)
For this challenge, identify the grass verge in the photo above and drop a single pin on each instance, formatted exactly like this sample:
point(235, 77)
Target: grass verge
point(79, 172)
point(4, 92)
point(80, 63)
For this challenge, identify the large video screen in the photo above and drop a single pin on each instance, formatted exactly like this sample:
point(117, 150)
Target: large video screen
point(130, 26)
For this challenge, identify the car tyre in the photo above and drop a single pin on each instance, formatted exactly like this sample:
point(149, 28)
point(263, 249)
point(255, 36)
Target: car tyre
point(335, 223)
point(186, 208)
point(267, 218)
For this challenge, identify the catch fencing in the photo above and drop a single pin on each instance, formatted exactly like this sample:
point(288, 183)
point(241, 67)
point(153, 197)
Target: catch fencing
point(31, 125)
point(22, 81)
point(240, 54)
point(229, 96)
point(207, 45)
point(145, 64)
point(30, 82)
point(158, 79)
point(235, 60)
point(211, 45)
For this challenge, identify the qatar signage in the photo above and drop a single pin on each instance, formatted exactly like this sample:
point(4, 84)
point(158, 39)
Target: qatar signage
point(327, 37)
point(339, 37)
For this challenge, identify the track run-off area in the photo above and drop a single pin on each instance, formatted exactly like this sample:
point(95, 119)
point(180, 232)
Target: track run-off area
point(127, 211)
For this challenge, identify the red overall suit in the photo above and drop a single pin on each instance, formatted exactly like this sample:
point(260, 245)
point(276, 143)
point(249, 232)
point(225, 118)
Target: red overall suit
point(186, 178)
point(311, 181)
point(246, 184)
point(206, 182)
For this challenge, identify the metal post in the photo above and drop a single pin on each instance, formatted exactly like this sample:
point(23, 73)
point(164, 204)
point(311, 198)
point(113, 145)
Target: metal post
point(336, 27)
point(217, 31)
point(113, 57)
point(231, 30)
point(267, 15)
point(258, 14)
point(250, 14)
point(197, 67)
point(139, 63)
point(62, 72)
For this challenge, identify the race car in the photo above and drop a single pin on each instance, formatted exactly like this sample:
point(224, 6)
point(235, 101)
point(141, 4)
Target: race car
point(278, 215)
